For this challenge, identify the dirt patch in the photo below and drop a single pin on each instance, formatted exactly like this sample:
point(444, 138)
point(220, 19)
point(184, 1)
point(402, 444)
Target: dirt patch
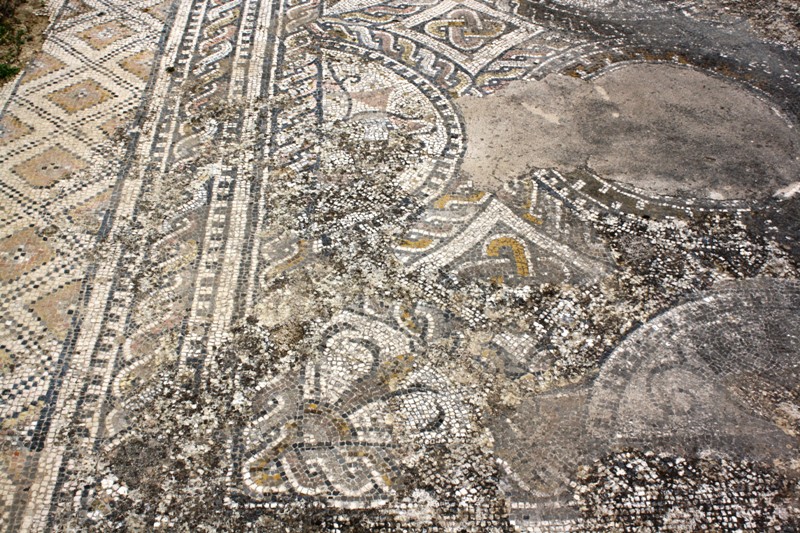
point(22, 26)
point(664, 128)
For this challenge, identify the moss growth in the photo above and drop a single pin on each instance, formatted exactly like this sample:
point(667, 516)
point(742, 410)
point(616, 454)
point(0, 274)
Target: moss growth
point(7, 71)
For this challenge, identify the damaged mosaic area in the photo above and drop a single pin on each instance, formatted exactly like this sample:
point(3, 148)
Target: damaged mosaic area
point(429, 265)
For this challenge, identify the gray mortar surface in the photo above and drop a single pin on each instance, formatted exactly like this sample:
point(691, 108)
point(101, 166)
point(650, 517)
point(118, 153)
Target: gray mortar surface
point(667, 129)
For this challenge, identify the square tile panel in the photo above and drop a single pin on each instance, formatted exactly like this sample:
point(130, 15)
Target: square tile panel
point(80, 96)
point(49, 166)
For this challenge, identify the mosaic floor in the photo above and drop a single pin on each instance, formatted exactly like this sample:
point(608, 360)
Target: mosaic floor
point(402, 265)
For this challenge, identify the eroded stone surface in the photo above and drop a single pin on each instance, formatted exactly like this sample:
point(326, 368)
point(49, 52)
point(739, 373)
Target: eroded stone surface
point(664, 128)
